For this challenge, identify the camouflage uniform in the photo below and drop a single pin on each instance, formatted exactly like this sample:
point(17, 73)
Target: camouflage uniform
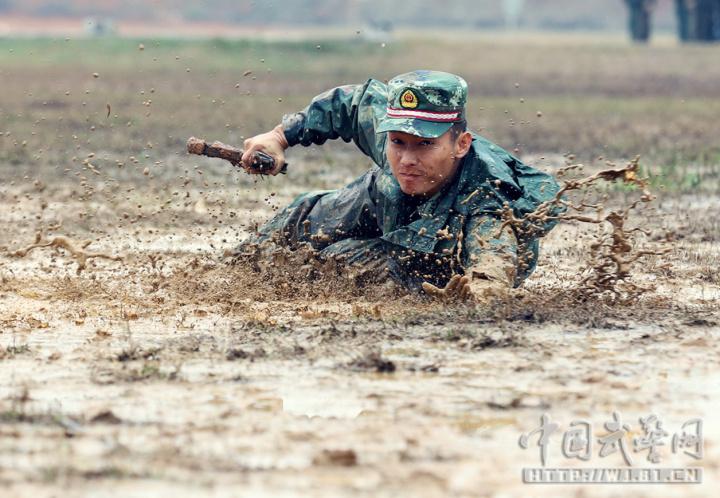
point(372, 222)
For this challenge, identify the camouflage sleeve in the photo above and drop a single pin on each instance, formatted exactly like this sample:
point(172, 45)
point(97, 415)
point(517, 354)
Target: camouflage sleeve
point(350, 112)
point(489, 251)
point(537, 186)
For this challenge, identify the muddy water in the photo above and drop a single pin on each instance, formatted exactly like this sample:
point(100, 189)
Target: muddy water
point(170, 372)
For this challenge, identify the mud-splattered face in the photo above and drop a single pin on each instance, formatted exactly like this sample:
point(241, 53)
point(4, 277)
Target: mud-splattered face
point(422, 166)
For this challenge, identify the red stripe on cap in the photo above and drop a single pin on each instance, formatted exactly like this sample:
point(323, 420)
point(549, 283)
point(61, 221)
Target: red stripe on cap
point(440, 117)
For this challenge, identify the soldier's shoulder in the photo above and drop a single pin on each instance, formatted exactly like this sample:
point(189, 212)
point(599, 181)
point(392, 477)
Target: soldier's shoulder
point(374, 92)
point(490, 161)
point(484, 147)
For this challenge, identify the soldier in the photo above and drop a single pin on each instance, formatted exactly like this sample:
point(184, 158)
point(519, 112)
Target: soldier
point(428, 213)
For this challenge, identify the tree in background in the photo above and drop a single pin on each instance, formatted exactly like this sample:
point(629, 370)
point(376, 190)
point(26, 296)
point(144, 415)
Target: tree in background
point(698, 20)
point(640, 13)
point(708, 20)
point(683, 24)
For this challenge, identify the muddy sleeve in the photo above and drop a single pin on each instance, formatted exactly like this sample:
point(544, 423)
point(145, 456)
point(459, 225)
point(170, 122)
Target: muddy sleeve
point(350, 112)
point(489, 251)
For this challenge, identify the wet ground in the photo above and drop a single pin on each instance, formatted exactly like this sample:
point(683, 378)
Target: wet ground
point(172, 372)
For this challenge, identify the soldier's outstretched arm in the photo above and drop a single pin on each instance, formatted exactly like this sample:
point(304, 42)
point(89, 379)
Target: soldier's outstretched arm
point(350, 112)
point(489, 258)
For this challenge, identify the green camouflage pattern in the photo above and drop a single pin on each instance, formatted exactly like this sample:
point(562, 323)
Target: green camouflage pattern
point(442, 235)
point(434, 91)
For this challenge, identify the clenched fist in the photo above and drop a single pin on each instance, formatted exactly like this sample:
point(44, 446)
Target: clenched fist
point(272, 143)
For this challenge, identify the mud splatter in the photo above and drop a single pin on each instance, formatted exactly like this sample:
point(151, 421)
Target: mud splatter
point(616, 248)
point(76, 250)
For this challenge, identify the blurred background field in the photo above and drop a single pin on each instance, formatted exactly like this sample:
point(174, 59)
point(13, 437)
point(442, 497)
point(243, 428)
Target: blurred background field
point(537, 94)
point(172, 372)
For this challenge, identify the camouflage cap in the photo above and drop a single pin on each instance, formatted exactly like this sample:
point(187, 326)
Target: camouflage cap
point(424, 103)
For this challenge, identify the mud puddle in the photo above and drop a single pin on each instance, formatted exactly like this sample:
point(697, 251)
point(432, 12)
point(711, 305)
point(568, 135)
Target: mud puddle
point(171, 372)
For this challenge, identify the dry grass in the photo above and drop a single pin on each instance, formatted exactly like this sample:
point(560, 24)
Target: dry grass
point(601, 99)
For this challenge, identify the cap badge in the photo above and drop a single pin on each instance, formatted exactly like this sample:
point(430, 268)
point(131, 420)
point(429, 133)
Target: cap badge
point(408, 100)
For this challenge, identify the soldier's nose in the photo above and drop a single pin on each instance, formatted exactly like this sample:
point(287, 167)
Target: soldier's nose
point(407, 160)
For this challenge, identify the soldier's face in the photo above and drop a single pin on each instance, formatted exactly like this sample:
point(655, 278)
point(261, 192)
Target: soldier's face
point(422, 166)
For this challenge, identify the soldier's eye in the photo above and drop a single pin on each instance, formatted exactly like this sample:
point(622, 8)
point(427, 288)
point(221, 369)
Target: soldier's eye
point(396, 141)
point(426, 143)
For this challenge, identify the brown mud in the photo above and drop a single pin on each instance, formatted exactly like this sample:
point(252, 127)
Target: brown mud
point(172, 371)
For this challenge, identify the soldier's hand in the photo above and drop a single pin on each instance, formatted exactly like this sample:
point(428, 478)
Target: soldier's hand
point(272, 143)
point(457, 289)
point(463, 288)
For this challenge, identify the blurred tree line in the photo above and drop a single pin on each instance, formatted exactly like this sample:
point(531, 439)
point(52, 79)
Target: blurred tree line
point(468, 14)
point(697, 20)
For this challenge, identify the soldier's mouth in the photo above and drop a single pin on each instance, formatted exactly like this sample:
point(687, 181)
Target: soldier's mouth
point(410, 175)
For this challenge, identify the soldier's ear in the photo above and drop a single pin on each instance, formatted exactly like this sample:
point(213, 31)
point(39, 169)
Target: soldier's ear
point(462, 144)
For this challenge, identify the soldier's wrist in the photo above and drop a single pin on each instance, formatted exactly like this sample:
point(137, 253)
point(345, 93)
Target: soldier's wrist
point(293, 126)
point(279, 132)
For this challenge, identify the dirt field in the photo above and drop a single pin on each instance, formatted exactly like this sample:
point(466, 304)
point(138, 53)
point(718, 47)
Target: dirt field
point(172, 372)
